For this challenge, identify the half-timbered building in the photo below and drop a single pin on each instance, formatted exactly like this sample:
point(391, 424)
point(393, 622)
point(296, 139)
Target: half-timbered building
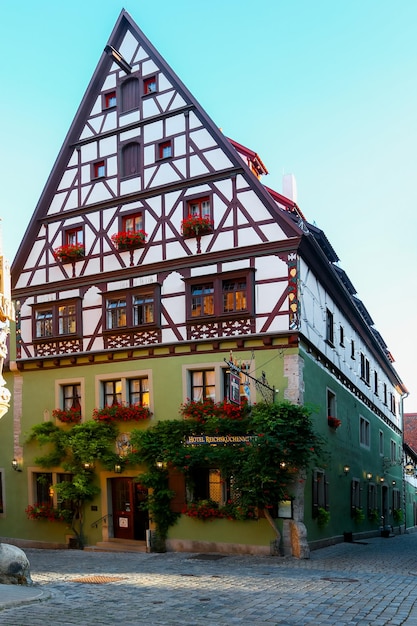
point(154, 252)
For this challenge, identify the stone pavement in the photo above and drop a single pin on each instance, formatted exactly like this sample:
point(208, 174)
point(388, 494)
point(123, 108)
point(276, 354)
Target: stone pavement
point(369, 583)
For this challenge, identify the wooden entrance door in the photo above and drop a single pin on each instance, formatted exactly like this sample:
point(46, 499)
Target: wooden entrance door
point(129, 521)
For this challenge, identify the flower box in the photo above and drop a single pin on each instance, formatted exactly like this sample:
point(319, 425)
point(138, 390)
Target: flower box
point(45, 512)
point(67, 416)
point(195, 226)
point(207, 510)
point(69, 252)
point(122, 413)
point(128, 240)
point(333, 422)
point(200, 410)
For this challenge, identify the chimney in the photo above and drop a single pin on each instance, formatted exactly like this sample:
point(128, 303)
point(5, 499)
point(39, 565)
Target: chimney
point(289, 187)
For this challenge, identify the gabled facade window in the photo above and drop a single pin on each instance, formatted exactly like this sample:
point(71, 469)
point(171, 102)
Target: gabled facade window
point(364, 432)
point(199, 207)
point(134, 308)
point(129, 92)
point(98, 169)
point(329, 327)
point(365, 369)
point(56, 319)
point(150, 85)
point(223, 295)
point(109, 100)
point(165, 150)
point(130, 160)
point(73, 236)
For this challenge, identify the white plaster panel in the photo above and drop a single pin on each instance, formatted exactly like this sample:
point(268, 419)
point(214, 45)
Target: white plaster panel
point(251, 201)
point(107, 146)
point(241, 183)
point(267, 297)
point(163, 83)
point(129, 118)
point(149, 107)
point(95, 123)
point(149, 155)
point(236, 265)
point(67, 179)
point(109, 83)
point(176, 307)
point(168, 336)
point(163, 99)
point(273, 232)
point(128, 46)
point(149, 172)
point(200, 189)
point(73, 160)
point(140, 55)
point(175, 124)
point(111, 167)
point(270, 267)
point(197, 167)
point(96, 109)
point(110, 123)
point(40, 274)
point(72, 200)
point(99, 192)
point(224, 241)
point(85, 174)
point(165, 174)
point(218, 159)
point(130, 134)
point(177, 103)
point(279, 324)
point(181, 165)
point(225, 187)
point(173, 283)
point(89, 152)
point(130, 185)
point(148, 67)
point(86, 133)
point(153, 132)
point(180, 145)
point(193, 121)
point(145, 280)
point(205, 270)
point(112, 183)
point(202, 138)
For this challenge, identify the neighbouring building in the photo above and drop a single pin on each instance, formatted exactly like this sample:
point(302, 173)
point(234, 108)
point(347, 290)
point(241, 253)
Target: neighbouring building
point(155, 252)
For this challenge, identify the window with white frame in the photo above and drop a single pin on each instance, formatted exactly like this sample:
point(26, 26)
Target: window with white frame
point(127, 389)
point(364, 432)
point(365, 369)
point(331, 403)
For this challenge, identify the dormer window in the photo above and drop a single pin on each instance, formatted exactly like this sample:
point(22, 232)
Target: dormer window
point(165, 150)
point(99, 169)
point(149, 85)
point(109, 100)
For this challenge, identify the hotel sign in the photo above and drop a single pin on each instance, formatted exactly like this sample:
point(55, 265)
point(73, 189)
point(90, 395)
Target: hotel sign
point(219, 440)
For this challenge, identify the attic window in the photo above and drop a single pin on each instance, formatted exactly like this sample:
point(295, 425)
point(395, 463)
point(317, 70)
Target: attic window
point(165, 150)
point(149, 85)
point(99, 169)
point(109, 100)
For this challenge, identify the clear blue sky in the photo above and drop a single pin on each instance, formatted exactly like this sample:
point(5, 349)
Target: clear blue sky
point(325, 90)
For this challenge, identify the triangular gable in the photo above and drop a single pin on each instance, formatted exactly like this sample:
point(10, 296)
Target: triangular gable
point(125, 37)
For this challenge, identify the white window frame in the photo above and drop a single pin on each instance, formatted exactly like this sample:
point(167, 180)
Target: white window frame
point(364, 441)
point(124, 377)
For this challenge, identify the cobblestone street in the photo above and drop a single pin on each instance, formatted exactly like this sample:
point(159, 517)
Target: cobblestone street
point(369, 583)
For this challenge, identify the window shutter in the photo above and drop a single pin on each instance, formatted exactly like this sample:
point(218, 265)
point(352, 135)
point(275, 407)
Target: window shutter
point(176, 483)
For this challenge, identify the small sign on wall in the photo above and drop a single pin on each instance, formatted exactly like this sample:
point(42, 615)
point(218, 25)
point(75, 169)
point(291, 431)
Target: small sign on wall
point(123, 522)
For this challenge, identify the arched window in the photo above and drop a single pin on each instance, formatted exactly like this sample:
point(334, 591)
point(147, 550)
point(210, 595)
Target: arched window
point(130, 160)
point(130, 94)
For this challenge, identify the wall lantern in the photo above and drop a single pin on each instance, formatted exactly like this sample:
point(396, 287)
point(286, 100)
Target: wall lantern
point(394, 482)
point(161, 464)
point(382, 479)
point(88, 466)
point(369, 476)
point(409, 468)
point(346, 469)
point(16, 465)
point(118, 468)
point(283, 465)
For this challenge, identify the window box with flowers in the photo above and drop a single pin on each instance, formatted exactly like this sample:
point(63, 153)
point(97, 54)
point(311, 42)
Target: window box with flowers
point(207, 510)
point(200, 410)
point(48, 512)
point(333, 422)
point(195, 226)
point(122, 413)
point(67, 416)
point(128, 240)
point(70, 252)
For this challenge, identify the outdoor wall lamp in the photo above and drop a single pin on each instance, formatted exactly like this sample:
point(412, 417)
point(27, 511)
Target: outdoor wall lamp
point(16, 466)
point(346, 469)
point(369, 475)
point(118, 469)
point(88, 466)
point(161, 465)
point(283, 465)
point(394, 482)
point(409, 468)
point(382, 479)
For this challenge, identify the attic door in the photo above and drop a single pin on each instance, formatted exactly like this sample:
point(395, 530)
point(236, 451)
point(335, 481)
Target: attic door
point(130, 94)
